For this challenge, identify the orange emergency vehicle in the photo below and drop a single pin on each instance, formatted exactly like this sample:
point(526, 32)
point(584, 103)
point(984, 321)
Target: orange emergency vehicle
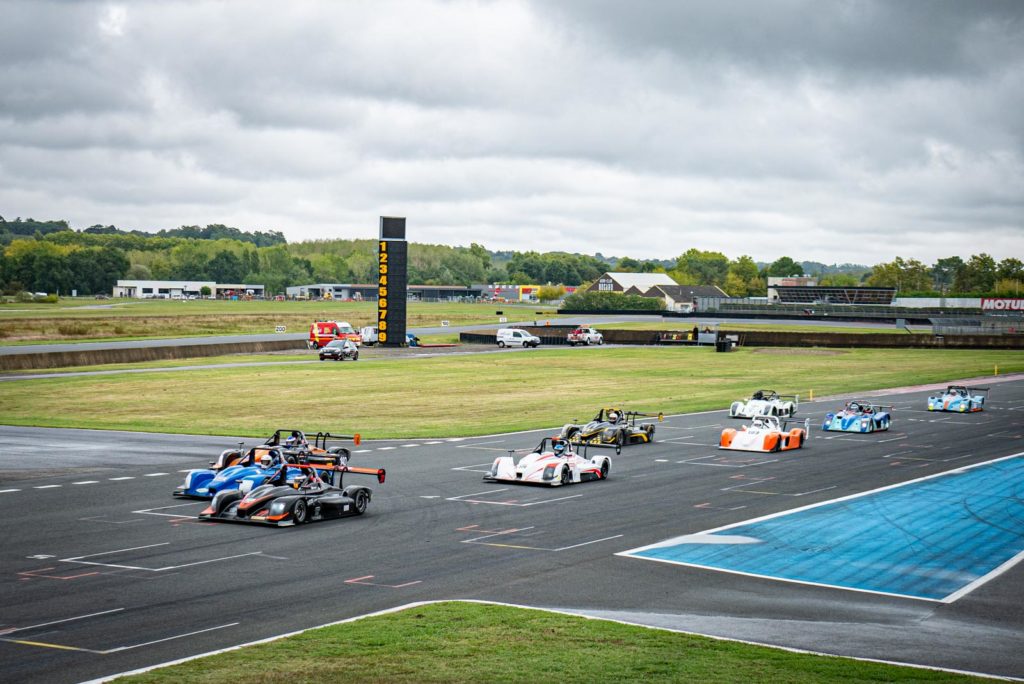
point(322, 332)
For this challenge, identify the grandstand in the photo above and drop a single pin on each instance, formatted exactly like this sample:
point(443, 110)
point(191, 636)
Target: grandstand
point(859, 296)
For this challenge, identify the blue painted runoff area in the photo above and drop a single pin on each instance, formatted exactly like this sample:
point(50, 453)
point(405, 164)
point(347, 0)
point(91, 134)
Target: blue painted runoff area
point(936, 538)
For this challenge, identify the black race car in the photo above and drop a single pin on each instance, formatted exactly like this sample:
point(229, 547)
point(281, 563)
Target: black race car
point(307, 500)
point(612, 426)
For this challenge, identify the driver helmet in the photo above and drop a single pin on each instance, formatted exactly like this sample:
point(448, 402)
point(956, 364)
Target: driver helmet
point(613, 416)
point(290, 441)
point(558, 446)
point(266, 461)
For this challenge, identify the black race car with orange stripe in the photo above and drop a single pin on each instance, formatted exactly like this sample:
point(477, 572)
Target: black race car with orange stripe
point(283, 504)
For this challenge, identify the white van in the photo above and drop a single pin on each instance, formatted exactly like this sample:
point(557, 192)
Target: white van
point(513, 337)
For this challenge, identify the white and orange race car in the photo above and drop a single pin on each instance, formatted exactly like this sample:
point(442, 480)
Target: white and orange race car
point(766, 433)
point(554, 462)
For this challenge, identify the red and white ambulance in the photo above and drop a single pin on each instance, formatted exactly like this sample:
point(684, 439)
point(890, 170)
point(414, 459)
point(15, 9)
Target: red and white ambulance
point(322, 332)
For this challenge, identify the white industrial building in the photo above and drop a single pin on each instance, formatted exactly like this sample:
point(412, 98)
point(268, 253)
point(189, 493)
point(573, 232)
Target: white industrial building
point(184, 289)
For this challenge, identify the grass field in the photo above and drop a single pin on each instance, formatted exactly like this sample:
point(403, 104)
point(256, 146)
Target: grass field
point(472, 394)
point(464, 642)
point(42, 323)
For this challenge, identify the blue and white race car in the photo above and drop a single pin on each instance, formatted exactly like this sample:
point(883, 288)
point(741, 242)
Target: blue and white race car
point(255, 468)
point(960, 399)
point(859, 416)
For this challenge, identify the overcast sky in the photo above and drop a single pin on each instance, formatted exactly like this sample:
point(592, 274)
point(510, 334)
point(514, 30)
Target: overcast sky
point(844, 131)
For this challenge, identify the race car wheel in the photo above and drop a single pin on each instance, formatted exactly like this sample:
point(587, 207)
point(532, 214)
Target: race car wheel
point(566, 477)
point(604, 470)
point(361, 501)
point(299, 512)
point(620, 438)
point(649, 429)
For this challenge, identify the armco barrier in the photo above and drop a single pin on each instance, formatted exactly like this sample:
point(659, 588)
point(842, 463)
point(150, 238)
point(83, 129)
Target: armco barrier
point(759, 338)
point(64, 359)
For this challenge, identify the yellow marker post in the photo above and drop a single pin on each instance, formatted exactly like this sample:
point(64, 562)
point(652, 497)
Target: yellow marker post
point(997, 371)
point(811, 397)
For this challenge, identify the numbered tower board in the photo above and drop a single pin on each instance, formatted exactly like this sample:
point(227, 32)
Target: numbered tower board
point(392, 267)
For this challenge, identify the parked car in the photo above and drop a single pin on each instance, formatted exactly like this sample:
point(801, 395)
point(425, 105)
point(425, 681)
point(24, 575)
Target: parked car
point(368, 335)
point(585, 336)
point(339, 350)
point(514, 337)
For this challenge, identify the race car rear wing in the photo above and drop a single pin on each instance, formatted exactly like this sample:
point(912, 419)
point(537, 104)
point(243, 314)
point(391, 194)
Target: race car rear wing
point(581, 447)
point(805, 423)
point(339, 470)
point(320, 442)
point(986, 390)
point(540, 448)
point(631, 416)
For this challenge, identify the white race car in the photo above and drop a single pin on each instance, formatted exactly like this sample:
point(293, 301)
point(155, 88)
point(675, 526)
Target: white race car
point(765, 434)
point(552, 463)
point(765, 403)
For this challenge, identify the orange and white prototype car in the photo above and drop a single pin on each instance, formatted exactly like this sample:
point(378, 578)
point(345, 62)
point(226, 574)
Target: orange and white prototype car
point(766, 433)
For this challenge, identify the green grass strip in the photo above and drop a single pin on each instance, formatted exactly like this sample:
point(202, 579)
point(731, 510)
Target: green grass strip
point(471, 394)
point(465, 642)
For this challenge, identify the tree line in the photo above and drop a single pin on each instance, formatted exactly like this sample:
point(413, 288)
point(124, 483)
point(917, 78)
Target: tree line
point(48, 256)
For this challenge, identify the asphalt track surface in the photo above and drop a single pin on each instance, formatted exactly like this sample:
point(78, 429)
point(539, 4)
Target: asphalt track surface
point(103, 571)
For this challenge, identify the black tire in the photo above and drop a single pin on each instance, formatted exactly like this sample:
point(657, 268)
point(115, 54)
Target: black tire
point(501, 344)
point(355, 357)
point(572, 344)
point(361, 502)
point(299, 511)
point(620, 438)
point(604, 470)
point(650, 432)
point(323, 358)
point(315, 345)
point(566, 478)
point(600, 342)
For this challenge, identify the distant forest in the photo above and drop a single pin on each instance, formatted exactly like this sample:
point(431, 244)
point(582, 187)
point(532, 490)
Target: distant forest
point(50, 256)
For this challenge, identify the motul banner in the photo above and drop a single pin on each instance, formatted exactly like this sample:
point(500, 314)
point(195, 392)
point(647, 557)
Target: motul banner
point(1001, 304)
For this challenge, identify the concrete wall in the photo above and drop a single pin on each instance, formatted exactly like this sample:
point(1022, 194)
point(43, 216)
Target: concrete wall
point(34, 361)
point(555, 335)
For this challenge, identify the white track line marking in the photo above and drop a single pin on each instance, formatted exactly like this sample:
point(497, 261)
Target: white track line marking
point(86, 482)
point(47, 487)
point(154, 474)
point(118, 479)
point(5, 632)
point(5, 491)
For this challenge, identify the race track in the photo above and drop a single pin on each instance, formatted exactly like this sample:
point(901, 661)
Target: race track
point(103, 571)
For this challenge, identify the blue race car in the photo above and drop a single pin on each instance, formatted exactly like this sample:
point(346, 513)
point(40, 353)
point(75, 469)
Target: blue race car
point(960, 399)
point(859, 416)
point(256, 467)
